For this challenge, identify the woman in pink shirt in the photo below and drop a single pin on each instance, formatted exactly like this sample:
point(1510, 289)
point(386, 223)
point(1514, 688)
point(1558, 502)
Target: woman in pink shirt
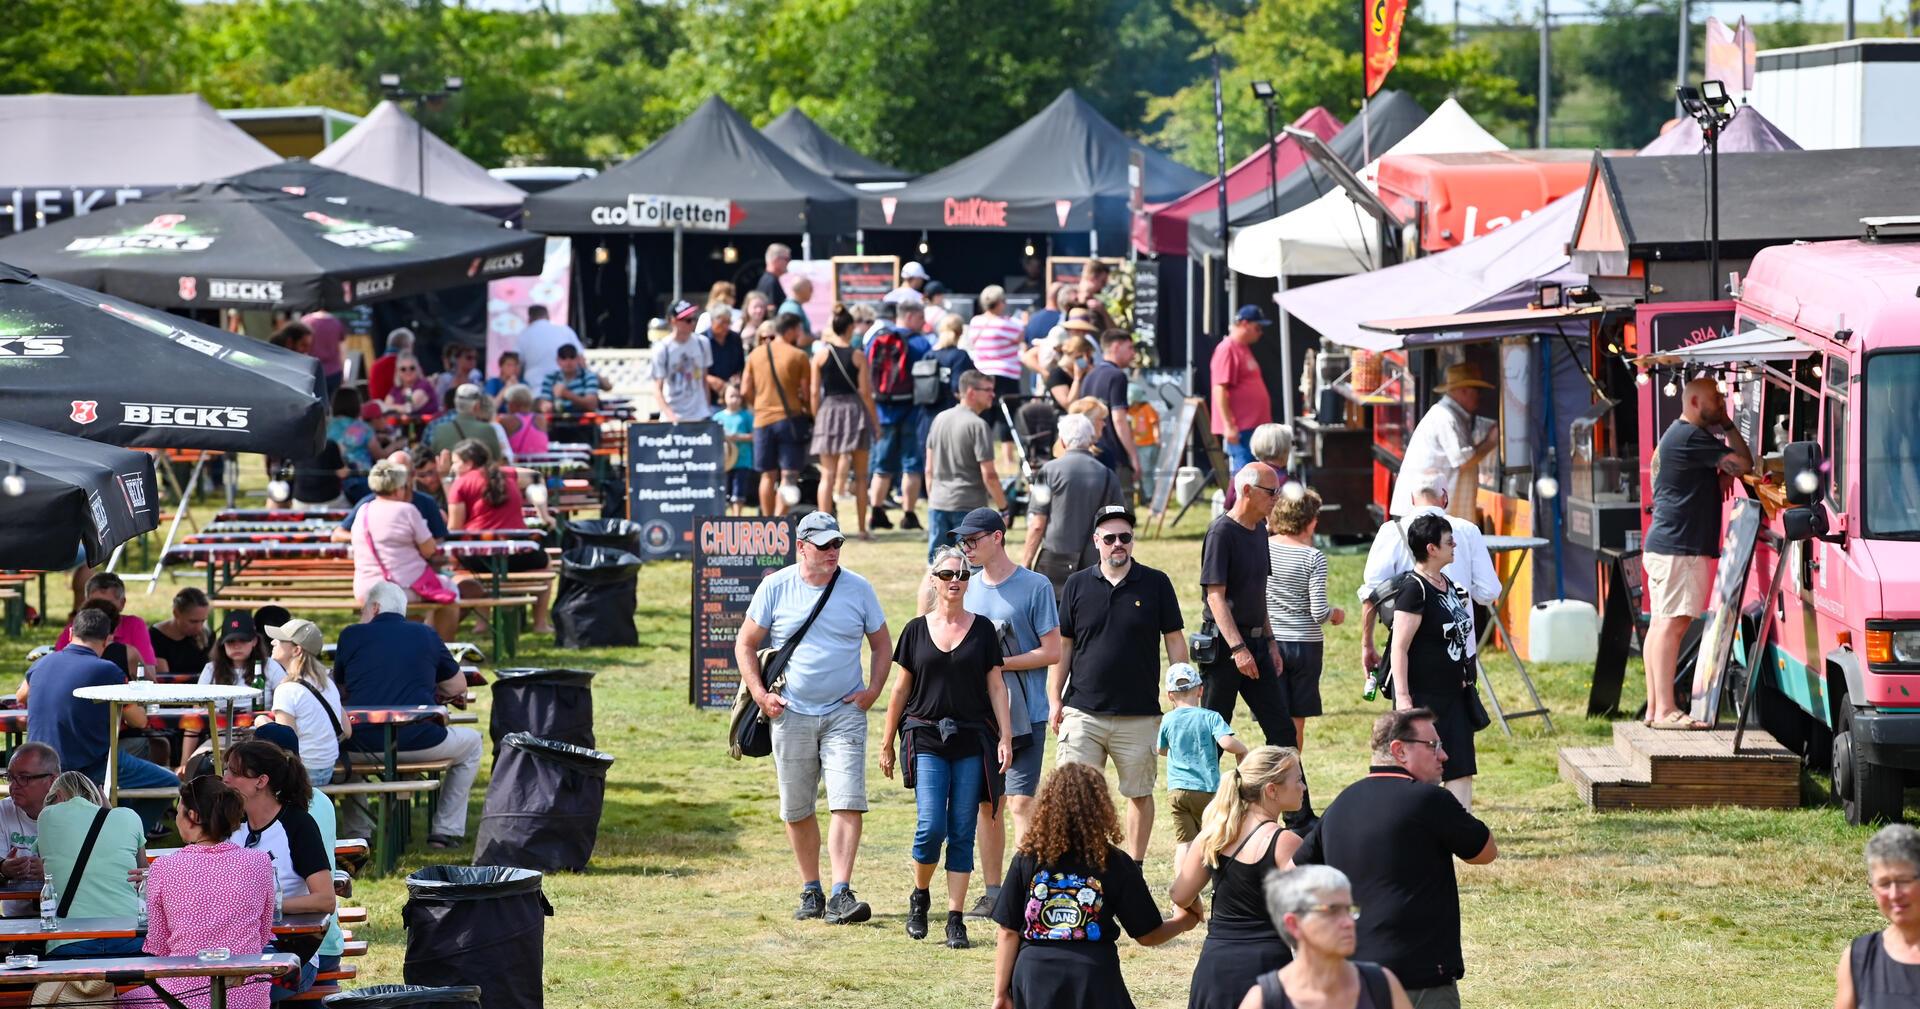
point(486, 495)
point(520, 422)
point(210, 894)
point(994, 340)
point(391, 542)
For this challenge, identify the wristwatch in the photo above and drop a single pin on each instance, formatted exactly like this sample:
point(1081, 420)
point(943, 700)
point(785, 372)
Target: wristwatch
point(1241, 647)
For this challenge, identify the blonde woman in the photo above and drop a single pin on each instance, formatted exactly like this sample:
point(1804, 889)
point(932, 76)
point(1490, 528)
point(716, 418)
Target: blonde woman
point(307, 701)
point(74, 802)
point(1241, 840)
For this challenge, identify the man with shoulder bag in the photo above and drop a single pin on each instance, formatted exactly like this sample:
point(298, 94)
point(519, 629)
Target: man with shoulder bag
point(814, 615)
point(776, 381)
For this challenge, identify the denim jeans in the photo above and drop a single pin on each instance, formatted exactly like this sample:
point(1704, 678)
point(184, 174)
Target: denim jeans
point(947, 794)
point(84, 948)
point(940, 526)
point(138, 772)
point(320, 776)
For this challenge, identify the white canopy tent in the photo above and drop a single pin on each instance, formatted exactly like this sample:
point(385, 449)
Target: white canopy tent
point(1331, 236)
point(391, 148)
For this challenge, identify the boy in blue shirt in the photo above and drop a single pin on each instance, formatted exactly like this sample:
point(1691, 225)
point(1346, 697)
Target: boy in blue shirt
point(1191, 738)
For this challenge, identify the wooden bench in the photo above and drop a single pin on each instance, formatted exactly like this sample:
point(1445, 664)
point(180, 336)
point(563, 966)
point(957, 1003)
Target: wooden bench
point(506, 632)
point(392, 827)
point(347, 972)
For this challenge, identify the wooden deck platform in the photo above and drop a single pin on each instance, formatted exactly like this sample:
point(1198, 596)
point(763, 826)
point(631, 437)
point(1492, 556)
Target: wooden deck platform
point(1652, 769)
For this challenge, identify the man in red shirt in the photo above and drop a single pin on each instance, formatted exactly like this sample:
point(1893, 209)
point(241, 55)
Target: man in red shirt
point(1240, 400)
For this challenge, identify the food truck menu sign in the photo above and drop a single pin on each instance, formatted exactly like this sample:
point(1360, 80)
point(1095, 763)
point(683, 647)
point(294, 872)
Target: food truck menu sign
point(864, 278)
point(731, 556)
point(674, 473)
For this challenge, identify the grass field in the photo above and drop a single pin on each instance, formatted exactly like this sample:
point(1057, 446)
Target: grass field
point(689, 898)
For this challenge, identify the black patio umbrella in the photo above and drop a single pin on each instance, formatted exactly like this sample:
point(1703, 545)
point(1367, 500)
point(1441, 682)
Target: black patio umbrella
point(104, 369)
point(234, 245)
point(60, 495)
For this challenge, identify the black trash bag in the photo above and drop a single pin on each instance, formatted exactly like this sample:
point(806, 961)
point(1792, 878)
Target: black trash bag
point(595, 603)
point(543, 805)
point(478, 923)
point(405, 996)
point(619, 534)
point(613, 495)
point(547, 703)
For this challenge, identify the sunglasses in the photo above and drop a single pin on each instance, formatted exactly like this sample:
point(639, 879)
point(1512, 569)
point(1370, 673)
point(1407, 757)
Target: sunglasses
point(830, 545)
point(1111, 538)
point(1263, 488)
point(948, 576)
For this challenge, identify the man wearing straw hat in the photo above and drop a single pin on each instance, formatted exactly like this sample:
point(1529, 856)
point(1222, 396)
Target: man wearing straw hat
point(1442, 448)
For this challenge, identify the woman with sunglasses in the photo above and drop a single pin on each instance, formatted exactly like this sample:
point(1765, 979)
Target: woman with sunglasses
point(949, 714)
point(1431, 663)
point(411, 394)
point(1312, 907)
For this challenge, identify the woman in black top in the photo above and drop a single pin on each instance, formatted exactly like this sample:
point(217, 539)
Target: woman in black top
point(1069, 891)
point(951, 702)
point(1432, 631)
point(1881, 970)
point(844, 419)
point(1241, 840)
point(180, 643)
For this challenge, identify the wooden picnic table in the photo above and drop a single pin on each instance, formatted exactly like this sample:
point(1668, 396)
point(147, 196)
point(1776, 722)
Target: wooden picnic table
point(232, 558)
point(23, 929)
point(144, 971)
point(390, 720)
point(148, 692)
point(278, 514)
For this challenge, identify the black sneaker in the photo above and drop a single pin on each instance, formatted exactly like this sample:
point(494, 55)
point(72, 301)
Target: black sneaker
point(917, 904)
point(982, 908)
point(957, 931)
point(910, 521)
point(843, 908)
point(880, 519)
point(812, 904)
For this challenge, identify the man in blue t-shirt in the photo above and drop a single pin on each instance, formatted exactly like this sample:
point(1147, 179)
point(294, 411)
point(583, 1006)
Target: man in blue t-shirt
point(900, 451)
point(1020, 603)
point(388, 661)
point(819, 715)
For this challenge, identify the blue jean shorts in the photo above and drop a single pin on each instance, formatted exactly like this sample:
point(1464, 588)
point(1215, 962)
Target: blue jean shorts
point(901, 447)
point(780, 445)
point(1023, 775)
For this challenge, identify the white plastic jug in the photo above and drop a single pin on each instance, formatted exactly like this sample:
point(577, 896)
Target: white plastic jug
point(1563, 630)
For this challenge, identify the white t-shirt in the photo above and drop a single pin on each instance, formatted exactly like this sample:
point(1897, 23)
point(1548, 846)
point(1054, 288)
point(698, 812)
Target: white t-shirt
point(294, 842)
point(1440, 444)
point(539, 346)
point(22, 837)
point(276, 675)
point(319, 747)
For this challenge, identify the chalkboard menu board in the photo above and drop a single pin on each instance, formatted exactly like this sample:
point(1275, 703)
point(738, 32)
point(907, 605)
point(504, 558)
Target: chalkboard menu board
point(674, 473)
point(864, 278)
point(1146, 297)
point(731, 556)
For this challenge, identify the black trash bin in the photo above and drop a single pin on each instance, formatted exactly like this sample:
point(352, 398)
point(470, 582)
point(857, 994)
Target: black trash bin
point(478, 923)
point(543, 805)
point(619, 534)
point(594, 607)
point(549, 703)
point(405, 996)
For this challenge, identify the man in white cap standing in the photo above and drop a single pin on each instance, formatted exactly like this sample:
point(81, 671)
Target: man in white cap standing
point(913, 281)
point(1443, 448)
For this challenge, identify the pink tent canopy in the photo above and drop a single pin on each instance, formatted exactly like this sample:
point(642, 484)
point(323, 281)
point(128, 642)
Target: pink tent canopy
point(1162, 230)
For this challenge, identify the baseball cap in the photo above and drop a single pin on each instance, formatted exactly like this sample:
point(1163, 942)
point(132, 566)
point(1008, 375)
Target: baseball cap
point(270, 615)
point(980, 520)
point(468, 393)
point(279, 735)
point(935, 287)
point(1121, 512)
point(1251, 313)
point(1181, 676)
point(301, 632)
point(684, 311)
point(237, 624)
point(913, 270)
point(820, 528)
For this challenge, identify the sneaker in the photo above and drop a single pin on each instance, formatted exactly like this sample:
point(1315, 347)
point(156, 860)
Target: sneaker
point(982, 908)
point(910, 521)
point(917, 903)
point(844, 908)
point(880, 519)
point(957, 932)
point(812, 904)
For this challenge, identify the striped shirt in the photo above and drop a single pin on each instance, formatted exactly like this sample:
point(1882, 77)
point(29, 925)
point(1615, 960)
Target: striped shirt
point(1296, 591)
point(994, 341)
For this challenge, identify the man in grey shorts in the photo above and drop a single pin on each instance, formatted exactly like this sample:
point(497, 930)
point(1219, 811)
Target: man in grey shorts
point(820, 716)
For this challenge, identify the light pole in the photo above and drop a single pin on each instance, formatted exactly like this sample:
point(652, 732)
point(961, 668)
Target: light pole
point(390, 85)
point(1712, 109)
point(1546, 78)
point(1263, 90)
point(1686, 51)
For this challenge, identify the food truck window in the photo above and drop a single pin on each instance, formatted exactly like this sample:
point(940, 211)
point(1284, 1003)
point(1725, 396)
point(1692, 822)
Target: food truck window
point(1773, 417)
point(1835, 432)
point(1890, 446)
point(1805, 425)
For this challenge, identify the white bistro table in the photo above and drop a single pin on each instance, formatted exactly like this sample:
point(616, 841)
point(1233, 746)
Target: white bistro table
point(148, 692)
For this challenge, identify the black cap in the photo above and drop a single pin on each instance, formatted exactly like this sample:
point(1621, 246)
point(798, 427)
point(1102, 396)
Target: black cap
point(980, 520)
point(238, 624)
point(271, 616)
point(934, 287)
point(1121, 512)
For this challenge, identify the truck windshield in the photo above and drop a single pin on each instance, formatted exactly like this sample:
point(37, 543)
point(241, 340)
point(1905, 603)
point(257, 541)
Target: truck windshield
point(1890, 436)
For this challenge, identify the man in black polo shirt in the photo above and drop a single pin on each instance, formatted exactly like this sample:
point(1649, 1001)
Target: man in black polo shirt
point(1105, 690)
point(1395, 833)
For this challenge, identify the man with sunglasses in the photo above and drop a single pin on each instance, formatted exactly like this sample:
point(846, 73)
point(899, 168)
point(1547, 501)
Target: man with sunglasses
point(1104, 692)
point(1020, 603)
point(820, 717)
point(1395, 833)
point(31, 769)
point(1234, 565)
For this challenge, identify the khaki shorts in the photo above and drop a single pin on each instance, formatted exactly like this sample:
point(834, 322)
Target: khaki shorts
point(1677, 585)
point(1087, 738)
point(1188, 808)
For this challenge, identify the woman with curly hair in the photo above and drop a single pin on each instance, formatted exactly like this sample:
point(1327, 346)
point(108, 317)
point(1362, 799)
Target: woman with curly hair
point(1241, 840)
point(1069, 889)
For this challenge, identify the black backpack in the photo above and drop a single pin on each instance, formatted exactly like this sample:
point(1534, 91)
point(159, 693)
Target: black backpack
point(892, 382)
point(929, 380)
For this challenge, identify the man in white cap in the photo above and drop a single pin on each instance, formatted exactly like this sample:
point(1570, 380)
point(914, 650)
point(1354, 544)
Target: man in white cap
point(820, 715)
point(913, 281)
point(679, 369)
point(1443, 449)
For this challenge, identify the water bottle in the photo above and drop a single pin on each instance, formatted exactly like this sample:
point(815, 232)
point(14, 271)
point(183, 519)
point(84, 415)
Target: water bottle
point(139, 670)
point(49, 906)
point(140, 915)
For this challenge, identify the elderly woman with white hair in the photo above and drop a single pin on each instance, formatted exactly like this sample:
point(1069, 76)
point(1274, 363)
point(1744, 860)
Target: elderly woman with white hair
point(1883, 968)
point(1066, 495)
point(1273, 444)
point(1312, 906)
point(391, 542)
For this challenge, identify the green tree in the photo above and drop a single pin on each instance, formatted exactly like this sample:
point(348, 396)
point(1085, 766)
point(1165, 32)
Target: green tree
point(1629, 56)
point(90, 46)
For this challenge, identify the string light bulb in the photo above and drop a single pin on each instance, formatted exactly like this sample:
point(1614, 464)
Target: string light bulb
point(1642, 379)
point(14, 485)
point(1670, 388)
point(1029, 248)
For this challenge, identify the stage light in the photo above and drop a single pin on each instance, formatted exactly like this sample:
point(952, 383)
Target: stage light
point(730, 255)
point(1263, 90)
point(600, 255)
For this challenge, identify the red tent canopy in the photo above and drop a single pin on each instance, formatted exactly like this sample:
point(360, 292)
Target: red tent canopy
point(1162, 230)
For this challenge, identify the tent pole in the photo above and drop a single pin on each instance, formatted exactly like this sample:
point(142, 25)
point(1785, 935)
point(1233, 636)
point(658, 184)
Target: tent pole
point(678, 235)
point(806, 245)
point(859, 241)
point(1093, 244)
point(1189, 314)
point(1286, 350)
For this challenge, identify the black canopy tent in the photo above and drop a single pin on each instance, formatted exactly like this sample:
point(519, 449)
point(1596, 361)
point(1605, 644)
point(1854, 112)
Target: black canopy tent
point(233, 245)
point(61, 495)
point(817, 149)
point(1064, 170)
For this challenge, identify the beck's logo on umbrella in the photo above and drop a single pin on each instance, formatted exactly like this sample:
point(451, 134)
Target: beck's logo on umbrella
point(189, 288)
point(85, 411)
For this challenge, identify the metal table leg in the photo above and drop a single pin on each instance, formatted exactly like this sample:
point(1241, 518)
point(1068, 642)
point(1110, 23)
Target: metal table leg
point(113, 753)
point(1486, 682)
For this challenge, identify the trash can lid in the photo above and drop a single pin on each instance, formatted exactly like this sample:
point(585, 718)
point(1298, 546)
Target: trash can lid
point(577, 757)
point(529, 674)
point(471, 882)
point(398, 996)
point(589, 557)
point(603, 527)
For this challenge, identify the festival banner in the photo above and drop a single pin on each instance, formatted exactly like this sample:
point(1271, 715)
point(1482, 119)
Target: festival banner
point(1384, 19)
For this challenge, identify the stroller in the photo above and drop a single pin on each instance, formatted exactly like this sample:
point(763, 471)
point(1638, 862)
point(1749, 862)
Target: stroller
point(1035, 423)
